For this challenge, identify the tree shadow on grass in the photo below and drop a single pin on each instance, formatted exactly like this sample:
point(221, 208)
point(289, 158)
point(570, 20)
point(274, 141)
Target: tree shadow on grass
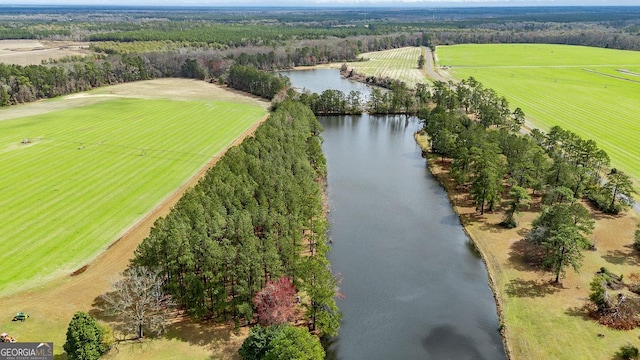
point(213, 336)
point(131, 349)
point(580, 312)
point(200, 334)
point(492, 228)
point(599, 215)
point(470, 218)
point(98, 309)
point(523, 232)
point(525, 256)
point(531, 288)
point(628, 256)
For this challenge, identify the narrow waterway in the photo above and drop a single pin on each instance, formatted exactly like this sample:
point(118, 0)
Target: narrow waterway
point(413, 288)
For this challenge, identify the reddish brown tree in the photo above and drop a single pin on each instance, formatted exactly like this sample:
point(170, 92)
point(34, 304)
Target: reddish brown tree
point(275, 303)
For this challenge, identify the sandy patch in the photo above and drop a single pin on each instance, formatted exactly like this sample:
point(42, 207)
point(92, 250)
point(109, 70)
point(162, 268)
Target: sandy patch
point(19, 44)
point(178, 89)
point(33, 52)
point(170, 88)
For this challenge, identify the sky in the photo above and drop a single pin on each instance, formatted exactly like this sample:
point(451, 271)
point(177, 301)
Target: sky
point(332, 3)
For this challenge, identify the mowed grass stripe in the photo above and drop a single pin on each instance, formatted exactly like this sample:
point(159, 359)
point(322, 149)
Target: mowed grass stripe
point(401, 64)
point(584, 115)
point(530, 55)
point(55, 205)
point(592, 105)
point(91, 172)
point(117, 171)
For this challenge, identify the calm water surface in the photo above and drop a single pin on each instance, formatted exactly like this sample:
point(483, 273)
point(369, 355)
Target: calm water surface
point(322, 79)
point(413, 289)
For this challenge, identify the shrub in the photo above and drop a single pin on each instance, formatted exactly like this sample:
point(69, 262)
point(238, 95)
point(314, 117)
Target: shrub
point(598, 293)
point(295, 343)
point(509, 221)
point(600, 198)
point(256, 345)
point(628, 352)
point(281, 342)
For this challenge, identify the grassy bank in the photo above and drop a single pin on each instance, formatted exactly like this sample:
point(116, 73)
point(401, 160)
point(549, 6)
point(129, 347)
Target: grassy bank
point(541, 320)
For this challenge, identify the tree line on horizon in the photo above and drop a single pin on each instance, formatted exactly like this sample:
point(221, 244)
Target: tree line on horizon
point(614, 27)
point(22, 84)
point(205, 45)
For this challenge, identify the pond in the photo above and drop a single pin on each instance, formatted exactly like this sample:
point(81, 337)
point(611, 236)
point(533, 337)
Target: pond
point(413, 287)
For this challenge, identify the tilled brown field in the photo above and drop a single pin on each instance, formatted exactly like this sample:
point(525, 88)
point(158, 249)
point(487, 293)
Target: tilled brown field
point(33, 52)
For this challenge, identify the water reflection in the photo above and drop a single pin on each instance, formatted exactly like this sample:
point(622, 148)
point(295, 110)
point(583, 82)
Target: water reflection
point(444, 342)
point(413, 289)
point(319, 80)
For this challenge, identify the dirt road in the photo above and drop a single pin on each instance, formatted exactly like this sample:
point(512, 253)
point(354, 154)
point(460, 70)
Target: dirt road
point(430, 68)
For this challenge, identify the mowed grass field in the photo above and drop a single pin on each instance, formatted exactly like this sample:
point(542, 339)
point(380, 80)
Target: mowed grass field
point(90, 172)
point(401, 64)
point(593, 92)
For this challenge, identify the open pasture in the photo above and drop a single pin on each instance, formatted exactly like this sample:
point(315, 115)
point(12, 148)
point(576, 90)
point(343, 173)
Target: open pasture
point(401, 64)
point(579, 88)
point(88, 173)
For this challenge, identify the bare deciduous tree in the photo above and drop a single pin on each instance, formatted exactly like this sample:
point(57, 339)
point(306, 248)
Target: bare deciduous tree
point(139, 301)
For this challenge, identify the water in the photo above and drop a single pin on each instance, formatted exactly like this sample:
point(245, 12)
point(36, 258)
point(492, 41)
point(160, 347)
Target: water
point(320, 80)
point(413, 288)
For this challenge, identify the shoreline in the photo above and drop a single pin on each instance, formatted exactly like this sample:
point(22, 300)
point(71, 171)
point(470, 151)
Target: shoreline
point(538, 318)
point(483, 255)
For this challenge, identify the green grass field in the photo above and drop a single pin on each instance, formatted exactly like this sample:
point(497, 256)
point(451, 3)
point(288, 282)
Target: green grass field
point(91, 172)
point(593, 92)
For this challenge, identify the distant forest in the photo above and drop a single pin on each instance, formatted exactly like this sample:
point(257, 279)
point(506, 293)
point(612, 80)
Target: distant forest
point(139, 43)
